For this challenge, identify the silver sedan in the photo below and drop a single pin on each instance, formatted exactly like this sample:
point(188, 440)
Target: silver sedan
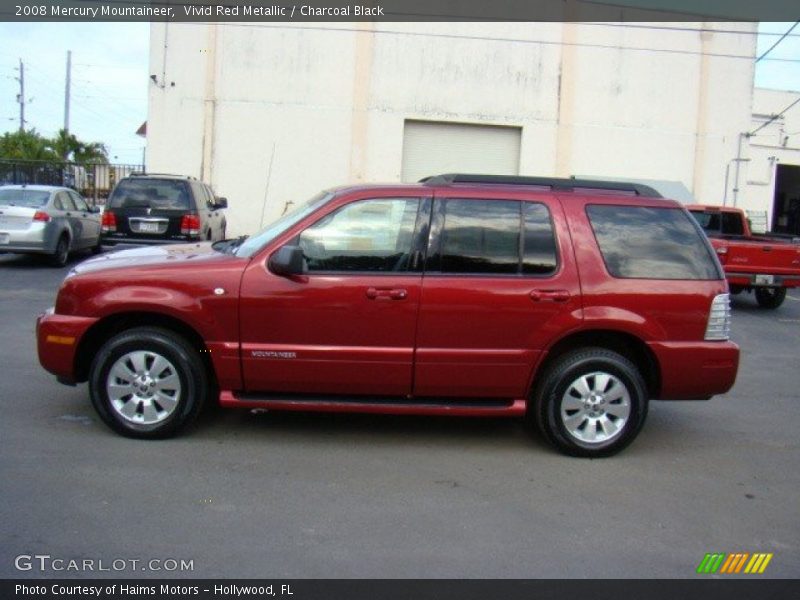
point(49, 220)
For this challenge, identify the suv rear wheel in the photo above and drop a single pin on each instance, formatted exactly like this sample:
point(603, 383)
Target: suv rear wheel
point(147, 383)
point(591, 403)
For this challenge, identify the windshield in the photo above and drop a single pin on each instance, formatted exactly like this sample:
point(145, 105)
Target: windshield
point(23, 197)
point(255, 242)
point(153, 193)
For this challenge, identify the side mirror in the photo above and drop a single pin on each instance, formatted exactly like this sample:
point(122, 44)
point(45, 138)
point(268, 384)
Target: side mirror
point(287, 261)
point(220, 203)
point(94, 209)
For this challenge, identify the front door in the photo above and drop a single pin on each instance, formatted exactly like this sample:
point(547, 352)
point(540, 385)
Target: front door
point(348, 325)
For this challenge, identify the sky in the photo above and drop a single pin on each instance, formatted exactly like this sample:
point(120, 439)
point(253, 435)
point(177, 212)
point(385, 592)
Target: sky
point(110, 78)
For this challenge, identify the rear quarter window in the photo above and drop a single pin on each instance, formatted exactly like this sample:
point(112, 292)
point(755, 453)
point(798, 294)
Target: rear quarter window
point(640, 242)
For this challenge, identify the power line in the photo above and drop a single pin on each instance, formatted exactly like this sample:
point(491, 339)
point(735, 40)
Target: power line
point(494, 39)
point(777, 115)
point(783, 37)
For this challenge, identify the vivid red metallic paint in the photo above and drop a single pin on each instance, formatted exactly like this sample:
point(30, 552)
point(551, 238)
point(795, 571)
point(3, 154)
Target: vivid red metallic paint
point(404, 335)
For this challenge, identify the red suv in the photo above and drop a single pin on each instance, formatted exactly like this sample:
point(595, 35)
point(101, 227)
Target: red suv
point(572, 302)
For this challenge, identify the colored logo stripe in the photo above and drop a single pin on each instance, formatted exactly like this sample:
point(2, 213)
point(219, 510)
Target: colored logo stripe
point(720, 562)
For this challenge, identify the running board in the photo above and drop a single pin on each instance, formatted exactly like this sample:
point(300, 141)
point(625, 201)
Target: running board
point(477, 407)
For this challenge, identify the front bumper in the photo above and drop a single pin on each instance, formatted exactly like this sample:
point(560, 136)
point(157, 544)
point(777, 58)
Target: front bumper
point(696, 370)
point(57, 340)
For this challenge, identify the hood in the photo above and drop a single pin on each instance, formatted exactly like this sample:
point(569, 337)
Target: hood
point(184, 255)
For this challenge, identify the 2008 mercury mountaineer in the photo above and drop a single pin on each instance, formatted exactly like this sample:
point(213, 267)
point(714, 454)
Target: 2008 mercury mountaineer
point(572, 302)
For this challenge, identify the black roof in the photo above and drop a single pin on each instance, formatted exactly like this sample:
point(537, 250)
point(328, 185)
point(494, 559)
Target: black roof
point(554, 183)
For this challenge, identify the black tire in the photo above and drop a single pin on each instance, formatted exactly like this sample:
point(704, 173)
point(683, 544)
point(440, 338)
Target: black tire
point(770, 297)
point(181, 357)
point(736, 290)
point(61, 254)
point(560, 378)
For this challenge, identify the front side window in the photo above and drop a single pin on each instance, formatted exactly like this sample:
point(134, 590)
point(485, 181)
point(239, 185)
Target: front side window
point(640, 242)
point(365, 236)
point(504, 237)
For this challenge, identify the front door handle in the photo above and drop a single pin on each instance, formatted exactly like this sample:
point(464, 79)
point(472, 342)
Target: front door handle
point(550, 295)
point(386, 294)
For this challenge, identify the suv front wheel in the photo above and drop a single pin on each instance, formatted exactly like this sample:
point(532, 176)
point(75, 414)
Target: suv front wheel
point(590, 402)
point(147, 383)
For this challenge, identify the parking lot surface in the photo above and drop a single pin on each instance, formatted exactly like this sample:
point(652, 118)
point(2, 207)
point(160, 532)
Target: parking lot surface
point(313, 495)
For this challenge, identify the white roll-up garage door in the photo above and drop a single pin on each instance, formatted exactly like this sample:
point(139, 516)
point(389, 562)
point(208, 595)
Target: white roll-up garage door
point(431, 148)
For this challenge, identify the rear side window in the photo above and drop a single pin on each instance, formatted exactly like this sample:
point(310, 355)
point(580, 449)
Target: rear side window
point(651, 243)
point(503, 237)
point(153, 193)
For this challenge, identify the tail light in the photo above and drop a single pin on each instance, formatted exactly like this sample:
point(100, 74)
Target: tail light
point(719, 319)
point(190, 225)
point(41, 216)
point(722, 253)
point(109, 222)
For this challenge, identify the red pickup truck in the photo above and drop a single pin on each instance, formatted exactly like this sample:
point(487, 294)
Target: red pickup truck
point(763, 264)
point(571, 302)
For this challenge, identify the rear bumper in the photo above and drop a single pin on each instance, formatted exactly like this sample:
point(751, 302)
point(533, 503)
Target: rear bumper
point(696, 370)
point(57, 339)
point(39, 238)
point(113, 240)
point(748, 280)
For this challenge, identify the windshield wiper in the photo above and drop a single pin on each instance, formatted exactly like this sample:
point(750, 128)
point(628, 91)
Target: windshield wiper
point(230, 245)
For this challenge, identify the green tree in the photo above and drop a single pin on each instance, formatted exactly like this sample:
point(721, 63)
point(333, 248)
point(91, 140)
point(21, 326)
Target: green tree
point(26, 145)
point(69, 147)
point(30, 145)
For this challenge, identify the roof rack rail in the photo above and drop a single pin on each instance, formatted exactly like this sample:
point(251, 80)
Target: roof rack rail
point(149, 174)
point(554, 183)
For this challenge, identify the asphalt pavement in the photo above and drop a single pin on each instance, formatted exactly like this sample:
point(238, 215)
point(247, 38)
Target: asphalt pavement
point(314, 496)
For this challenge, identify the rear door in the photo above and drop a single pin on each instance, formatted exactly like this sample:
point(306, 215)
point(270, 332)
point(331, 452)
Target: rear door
point(500, 282)
point(73, 217)
point(90, 222)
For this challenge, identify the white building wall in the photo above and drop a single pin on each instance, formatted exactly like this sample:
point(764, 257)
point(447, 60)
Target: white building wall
point(777, 143)
point(271, 114)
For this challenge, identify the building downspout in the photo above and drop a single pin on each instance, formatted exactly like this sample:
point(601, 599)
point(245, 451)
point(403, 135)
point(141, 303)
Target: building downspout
point(209, 106)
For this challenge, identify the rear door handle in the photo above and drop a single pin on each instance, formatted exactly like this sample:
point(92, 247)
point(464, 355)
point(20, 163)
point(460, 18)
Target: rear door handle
point(386, 294)
point(550, 295)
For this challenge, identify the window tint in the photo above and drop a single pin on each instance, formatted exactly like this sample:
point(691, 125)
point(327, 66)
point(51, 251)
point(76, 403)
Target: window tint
point(732, 224)
point(651, 243)
point(368, 235)
point(480, 236)
point(483, 236)
point(709, 221)
point(79, 202)
point(155, 193)
point(539, 245)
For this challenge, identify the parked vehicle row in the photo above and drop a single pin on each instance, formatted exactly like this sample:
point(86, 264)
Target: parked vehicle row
point(572, 303)
point(765, 265)
point(142, 209)
point(47, 220)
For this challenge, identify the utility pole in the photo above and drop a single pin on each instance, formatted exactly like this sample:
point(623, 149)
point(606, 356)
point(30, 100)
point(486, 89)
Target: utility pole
point(21, 95)
point(67, 91)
